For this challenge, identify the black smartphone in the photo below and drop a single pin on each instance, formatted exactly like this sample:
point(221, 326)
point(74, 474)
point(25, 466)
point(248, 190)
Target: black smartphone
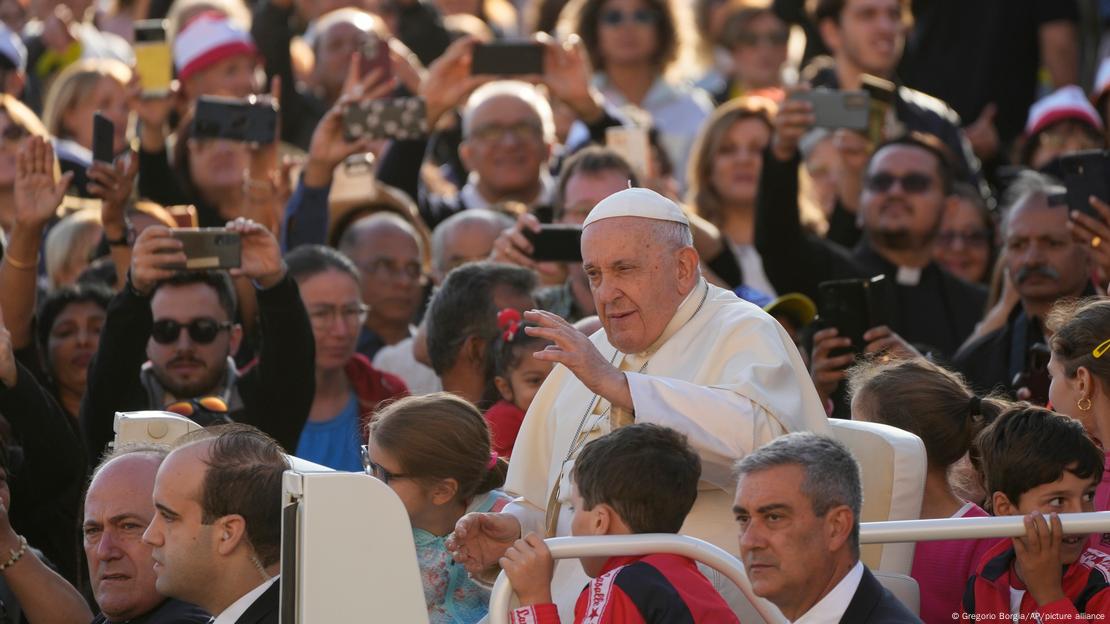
point(507, 59)
point(837, 109)
point(853, 307)
point(391, 118)
point(247, 120)
point(1086, 173)
point(209, 248)
point(556, 243)
point(1035, 376)
point(104, 136)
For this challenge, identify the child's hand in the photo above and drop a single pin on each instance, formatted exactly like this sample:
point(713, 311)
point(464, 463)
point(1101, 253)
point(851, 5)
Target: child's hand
point(529, 567)
point(1038, 557)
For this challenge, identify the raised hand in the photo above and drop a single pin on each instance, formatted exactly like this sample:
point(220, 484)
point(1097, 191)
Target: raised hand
point(1095, 232)
point(449, 81)
point(153, 256)
point(794, 119)
point(8, 370)
point(567, 75)
point(261, 255)
point(827, 371)
point(37, 193)
point(113, 184)
point(574, 350)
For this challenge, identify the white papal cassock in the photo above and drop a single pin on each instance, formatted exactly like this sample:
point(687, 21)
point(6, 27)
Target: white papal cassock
point(723, 372)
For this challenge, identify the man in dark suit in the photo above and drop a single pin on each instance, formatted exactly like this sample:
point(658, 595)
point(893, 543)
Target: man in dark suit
point(217, 531)
point(798, 503)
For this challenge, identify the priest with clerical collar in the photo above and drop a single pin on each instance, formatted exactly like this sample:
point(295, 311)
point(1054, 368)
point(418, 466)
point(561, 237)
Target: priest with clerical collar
point(673, 350)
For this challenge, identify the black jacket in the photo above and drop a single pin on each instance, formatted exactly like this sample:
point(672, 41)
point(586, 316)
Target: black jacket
point(264, 610)
point(874, 604)
point(169, 612)
point(276, 393)
point(47, 484)
point(939, 312)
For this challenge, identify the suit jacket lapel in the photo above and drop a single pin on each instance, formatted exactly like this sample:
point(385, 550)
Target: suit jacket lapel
point(864, 601)
point(263, 610)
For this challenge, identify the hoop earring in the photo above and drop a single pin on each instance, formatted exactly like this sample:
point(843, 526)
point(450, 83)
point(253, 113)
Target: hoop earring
point(1084, 404)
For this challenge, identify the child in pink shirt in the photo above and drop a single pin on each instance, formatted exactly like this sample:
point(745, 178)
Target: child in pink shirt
point(937, 406)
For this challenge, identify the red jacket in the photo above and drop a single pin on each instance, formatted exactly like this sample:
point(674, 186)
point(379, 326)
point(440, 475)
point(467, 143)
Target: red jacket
point(504, 420)
point(1086, 585)
point(372, 386)
point(655, 589)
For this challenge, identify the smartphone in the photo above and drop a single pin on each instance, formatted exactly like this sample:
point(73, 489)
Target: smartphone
point(104, 137)
point(837, 109)
point(375, 56)
point(556, 243)
point(391, 118)
point(247, 120)
point(153, 57)
point(507, 59)
point(1035, 377)
point(853, 307)
point(634, 145)
point(880, 94)
point(209, 248)
point(1085, 174)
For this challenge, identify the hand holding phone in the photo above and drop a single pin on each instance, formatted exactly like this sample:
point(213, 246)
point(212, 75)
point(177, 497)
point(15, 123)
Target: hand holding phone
point(375, 57)
point(853, 307)
point(153, 57)
point(837, 109)
point(401, 118)
point(556, 243)
point(104, 136)
point(1086, 175)
point(208, 249)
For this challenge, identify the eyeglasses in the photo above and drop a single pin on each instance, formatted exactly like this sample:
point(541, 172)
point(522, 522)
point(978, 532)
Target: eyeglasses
point(201, 330)
point(384, 267)
point(972, 238)
point(376, 470)
point(642, 17)
point(523, 132)
point(751, 40)
point(322, 317)
point(913, 183)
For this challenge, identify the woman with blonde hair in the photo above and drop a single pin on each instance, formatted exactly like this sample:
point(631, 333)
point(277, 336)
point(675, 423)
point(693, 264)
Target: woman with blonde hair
point(81, 90)
point(69, 246)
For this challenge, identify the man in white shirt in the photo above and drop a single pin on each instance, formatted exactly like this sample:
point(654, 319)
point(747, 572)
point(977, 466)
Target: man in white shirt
point(798, 503)
point(217, 531)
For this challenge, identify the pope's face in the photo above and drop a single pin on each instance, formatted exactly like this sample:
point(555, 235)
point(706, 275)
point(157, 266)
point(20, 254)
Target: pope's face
point(636, 279)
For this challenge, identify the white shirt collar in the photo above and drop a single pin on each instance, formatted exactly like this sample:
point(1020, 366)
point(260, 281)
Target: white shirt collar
point(232, 614)
point(472, 198)
point(832, 606)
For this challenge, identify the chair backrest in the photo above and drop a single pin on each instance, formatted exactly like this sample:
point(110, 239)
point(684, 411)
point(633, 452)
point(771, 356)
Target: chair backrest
point(892, 468)
point(347, 552)
point(151, 426)
point(903, 587)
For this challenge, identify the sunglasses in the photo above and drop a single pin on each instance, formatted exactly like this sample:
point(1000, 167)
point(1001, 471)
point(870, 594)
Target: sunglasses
point(375, 470)
point(911, 182)
point(643, 17)
point(201, 330)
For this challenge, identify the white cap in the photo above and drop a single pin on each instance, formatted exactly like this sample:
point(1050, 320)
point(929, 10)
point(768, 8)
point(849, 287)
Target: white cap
point(637, 202)
point(12, 48)
point(1068, 102)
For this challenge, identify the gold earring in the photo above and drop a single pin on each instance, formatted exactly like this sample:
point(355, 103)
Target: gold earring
point(1084, 404)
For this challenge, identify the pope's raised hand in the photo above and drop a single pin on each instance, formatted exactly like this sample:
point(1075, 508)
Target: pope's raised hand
point(574, 350)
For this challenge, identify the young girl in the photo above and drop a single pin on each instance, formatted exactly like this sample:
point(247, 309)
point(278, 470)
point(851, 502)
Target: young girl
point(935, 405)
point(517, 375)
point(434, 451)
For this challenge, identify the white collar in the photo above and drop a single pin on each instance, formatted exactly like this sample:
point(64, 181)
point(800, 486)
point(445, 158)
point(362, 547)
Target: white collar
point(232, 614)
point(472, 198)
point(832, 606)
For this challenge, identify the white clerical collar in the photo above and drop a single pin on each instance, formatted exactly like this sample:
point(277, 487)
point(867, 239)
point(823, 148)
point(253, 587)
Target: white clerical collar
point(232, 614)
point(832, 606)
point(686, 311)
point(908, 276)
point(472, 198)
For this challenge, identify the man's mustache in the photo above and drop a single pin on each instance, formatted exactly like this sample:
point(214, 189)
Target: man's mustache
point(1038, 269)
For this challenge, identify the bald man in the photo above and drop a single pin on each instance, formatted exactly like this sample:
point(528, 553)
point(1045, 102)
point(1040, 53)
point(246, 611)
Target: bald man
point(387, 251)
point(465, 237)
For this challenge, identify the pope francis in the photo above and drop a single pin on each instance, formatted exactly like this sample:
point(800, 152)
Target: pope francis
point(673, 350)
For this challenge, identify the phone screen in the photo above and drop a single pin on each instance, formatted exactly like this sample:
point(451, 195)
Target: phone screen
point(507, 59)
point(104, 132)
point(556, 243)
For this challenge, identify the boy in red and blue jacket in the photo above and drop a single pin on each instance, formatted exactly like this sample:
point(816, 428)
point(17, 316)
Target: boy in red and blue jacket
point(638, 479)
point(1039, 464)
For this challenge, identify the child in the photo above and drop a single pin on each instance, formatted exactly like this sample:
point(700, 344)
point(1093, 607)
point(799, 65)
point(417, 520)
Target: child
point(935, 405)
point(434, 451)
point(642, 478)
point(1039, 464)
point(517, 375)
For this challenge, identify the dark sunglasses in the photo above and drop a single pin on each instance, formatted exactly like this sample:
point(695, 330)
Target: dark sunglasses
point(910, 183)
point(375, 470)
point(614, 17)
point(201, 330)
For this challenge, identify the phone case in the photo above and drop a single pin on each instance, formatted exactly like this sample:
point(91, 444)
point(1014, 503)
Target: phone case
point(556, 243)
point(209, 249)
point(154, 65)
point(401, 118)
point(838, 109)
point(507, 59)
point(1086, 173)
point(103, 138)
point(247, 120)
point(853, 307)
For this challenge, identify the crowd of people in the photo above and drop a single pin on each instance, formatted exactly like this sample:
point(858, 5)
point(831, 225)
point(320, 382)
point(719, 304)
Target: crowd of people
point(753, 261)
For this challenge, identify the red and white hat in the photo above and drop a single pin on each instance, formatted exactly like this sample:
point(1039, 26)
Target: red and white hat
point(1064, 103)
point(206, 40)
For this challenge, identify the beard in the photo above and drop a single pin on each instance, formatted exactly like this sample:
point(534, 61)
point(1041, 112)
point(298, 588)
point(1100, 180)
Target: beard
point(899, 239)
point(204, 385)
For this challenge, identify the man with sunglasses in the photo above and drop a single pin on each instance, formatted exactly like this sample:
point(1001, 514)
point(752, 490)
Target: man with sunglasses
point(171, 335)
point(1044, 264)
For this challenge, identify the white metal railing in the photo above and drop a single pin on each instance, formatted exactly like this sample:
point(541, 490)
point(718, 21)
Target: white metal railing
point(973, 528)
